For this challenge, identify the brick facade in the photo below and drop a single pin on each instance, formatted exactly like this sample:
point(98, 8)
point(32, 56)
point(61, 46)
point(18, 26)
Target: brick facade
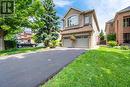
point(118, 26)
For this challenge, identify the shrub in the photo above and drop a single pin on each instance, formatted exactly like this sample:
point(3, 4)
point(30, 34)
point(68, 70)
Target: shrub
point(54, 43)
point(10, 44)
point(111, 37)
point(112, 43)
point(101, 36)
point(117, 47)
point(124, 47)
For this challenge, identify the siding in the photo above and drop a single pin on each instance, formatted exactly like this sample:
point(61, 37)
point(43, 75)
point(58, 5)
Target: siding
point(94, 36)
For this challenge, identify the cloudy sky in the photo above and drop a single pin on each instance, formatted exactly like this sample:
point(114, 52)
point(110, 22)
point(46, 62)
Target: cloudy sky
point(105, 9)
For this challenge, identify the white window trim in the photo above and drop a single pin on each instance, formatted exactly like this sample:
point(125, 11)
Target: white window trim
point(69, 17)
point(88, 20)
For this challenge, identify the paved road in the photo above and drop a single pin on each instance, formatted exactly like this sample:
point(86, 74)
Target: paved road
point(29, 70)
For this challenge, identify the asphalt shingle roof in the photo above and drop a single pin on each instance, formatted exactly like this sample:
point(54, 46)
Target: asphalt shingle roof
point(125, 9)
point(111, 21)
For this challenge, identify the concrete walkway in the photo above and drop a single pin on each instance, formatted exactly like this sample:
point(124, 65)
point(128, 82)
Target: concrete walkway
point(29, 70)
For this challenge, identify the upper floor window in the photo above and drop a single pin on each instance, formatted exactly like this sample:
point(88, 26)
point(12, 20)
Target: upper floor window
point(73, 21)
point(87, 20)
point(126, 22)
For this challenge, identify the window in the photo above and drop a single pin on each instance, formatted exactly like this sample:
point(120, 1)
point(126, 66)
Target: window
point(72, 21)
point(87, 20)
point(126, 22)
point(126, 37)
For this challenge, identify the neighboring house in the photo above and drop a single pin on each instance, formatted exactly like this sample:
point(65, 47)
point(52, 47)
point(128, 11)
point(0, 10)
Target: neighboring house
point(110, 27)
point(120, 26)
point(25, 38)
point(80, 29)
point(1, 40)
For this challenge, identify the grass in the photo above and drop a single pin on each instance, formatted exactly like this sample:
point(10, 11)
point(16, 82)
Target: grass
point(105, 67)
point(20, 50)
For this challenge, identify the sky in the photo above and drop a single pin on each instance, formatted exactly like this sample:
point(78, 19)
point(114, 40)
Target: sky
point(105, 9)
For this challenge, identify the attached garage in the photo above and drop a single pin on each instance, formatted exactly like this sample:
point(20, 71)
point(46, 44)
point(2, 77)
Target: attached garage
point(80, 42)
point(67, 42)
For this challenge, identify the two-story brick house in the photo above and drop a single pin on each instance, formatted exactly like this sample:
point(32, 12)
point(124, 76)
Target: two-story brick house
point(80, 29)
point(120, 26)
point(110, 27)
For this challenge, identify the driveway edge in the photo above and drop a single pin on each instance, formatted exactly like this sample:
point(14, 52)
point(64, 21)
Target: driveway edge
point(55, 73)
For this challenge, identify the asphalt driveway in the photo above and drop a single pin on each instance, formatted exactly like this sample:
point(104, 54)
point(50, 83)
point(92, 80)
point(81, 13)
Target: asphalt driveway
point(29, 70)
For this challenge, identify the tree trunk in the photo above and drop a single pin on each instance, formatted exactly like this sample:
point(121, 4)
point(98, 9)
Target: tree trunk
point(46, 43)
point(2, 46)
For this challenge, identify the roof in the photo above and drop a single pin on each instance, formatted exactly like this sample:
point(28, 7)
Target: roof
point(88, 11)
point(81, 11)
point(125, 9)
point(110, 21)
point(84, 12)
point(71, 9)
point(77, 30)
point(121, 11)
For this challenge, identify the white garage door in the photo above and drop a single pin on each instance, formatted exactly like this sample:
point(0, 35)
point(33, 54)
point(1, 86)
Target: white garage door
point(82, 42)
point(67, 43)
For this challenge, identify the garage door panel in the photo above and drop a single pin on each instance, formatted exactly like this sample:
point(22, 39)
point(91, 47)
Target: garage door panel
point(67, 43)
point(82, 43)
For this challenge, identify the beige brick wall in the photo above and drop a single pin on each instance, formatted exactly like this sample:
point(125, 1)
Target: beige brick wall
point(80, 16)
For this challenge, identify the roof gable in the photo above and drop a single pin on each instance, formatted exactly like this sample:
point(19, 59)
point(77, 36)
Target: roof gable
point(74, 11)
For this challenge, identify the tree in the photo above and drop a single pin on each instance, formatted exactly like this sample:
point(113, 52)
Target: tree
point(49, 31)
point(25, 10)
point(101, 35)
point(15, 22)
point(111, 37)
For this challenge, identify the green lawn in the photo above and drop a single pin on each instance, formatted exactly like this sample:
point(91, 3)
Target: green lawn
point(105, 67)
point(20, 50)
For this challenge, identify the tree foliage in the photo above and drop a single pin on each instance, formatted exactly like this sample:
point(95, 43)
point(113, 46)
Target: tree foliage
point(49, 31)
point(111, 37)
point(24, 11)
point(101, 35)
point(38, 15)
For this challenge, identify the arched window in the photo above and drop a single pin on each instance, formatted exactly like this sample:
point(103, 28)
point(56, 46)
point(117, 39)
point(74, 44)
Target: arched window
point(72, 21)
